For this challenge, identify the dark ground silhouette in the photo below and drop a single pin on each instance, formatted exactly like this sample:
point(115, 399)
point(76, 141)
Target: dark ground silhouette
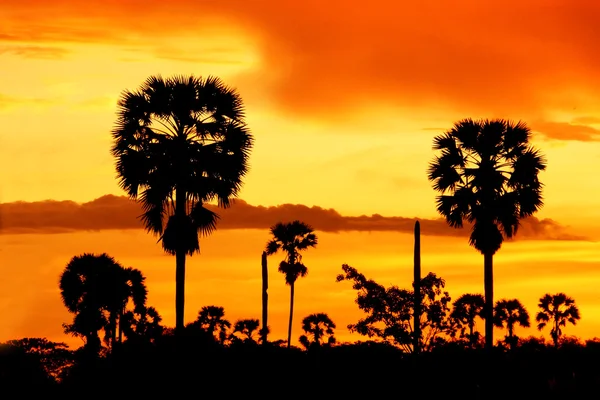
point(197, 364)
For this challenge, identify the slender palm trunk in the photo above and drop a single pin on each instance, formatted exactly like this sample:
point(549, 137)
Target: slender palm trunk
point(291, 315)
point(265, 297)
point(417, 288)
point(113, 336)
point(488, 309)
point(180, 203)
point(121, 313)
point(471, 329)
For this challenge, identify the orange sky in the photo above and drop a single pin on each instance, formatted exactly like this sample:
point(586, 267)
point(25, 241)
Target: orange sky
point(343, 102)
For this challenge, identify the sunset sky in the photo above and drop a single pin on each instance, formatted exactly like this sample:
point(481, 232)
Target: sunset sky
point(343, 100)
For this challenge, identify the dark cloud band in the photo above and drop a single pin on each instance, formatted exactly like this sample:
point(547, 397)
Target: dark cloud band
point(115, 212)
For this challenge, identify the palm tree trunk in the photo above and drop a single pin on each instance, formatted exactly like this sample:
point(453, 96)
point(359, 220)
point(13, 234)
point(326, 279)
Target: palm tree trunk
point(121, 313)
point(417, 288)
point(180, 203)
point(265, 297)
point(471, 329)
point(113, 336)
point(488, 282)
point(291, 314)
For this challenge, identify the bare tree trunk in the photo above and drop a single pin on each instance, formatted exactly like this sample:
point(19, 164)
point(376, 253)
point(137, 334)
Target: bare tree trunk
point(488, 309)
point(291, 314)
point(265, 297)
point(417, 288)
point(180, 211)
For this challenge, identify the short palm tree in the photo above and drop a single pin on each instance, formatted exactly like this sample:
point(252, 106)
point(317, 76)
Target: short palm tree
point(318, 329)
point(143, 325)
point(466, 309)
point(487, 176)
point(291, 238)
point(97, 289)
point(557, 309)
point(509, 313)
point(211, 319)
point(247, 328)
point(122, 285)
point(179, 144)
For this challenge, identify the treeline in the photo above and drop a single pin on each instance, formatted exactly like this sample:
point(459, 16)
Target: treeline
point(127, 346)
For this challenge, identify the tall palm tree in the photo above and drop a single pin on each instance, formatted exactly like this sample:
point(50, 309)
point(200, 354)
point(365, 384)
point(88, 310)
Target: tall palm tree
point(465, 311)
point(97, 289)
point(291, 238)
point(319, 329)
point(557, 309)
point(487, 175)
point(180, 143)
point(509, 313)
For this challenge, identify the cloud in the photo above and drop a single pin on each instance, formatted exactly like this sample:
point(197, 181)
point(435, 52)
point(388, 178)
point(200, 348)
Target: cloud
point(115, 212)
point(587, 120)
point(567, 131)
point(36, 52)
point(12, 101)
point(325, 59)
point(209, 55)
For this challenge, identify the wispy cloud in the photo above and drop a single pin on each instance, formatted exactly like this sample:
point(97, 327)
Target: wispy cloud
point(13, 101)
point(36, 52)
point(576, 131)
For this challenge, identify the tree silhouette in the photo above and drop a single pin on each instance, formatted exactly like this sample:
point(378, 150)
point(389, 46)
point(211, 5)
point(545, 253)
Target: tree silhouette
point(55, 357)
point(264, 332)
point(557, 309)
point(125, 284)
point(319, 330)
point(97, 289)
point(390, 310)
point(246, 328)
point(487, 175)
point(143, 325)
point(291, 238)
point(211, 319)
point(465, 311)
point(180, 143)
point(509, 313)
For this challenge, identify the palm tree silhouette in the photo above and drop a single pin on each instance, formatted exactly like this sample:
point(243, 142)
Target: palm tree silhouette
point(508, 313)
point(247, 328)
point(211, 319)
point(465, 311)
point(558, 309)
point(145, 324)
point(319, 329)
point(97, 289)
point(180, 143)
point(264, 332)
point(487, 175)
point(123, 284)
point(291, 238)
